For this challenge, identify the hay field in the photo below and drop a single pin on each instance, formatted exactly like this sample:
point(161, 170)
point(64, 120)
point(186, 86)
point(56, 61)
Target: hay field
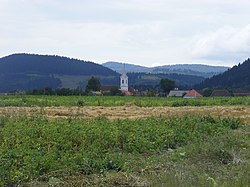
point(131, 112)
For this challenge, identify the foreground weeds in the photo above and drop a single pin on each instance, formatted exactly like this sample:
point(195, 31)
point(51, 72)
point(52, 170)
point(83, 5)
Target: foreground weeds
point(177, 151)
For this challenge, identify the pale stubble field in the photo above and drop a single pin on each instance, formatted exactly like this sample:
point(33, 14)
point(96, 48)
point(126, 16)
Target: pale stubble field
point(131, 112)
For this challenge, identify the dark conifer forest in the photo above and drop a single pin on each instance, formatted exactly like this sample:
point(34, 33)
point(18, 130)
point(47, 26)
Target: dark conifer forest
point(25, 72)
point(238, 77)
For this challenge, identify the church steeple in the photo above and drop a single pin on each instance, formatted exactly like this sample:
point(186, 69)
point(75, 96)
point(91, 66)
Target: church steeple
point(124, 80)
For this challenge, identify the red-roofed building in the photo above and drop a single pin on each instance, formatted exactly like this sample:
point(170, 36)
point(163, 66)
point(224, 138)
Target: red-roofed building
point(192, 94)
point(126, 93)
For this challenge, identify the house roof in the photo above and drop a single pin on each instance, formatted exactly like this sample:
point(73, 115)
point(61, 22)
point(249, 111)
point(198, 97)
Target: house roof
point(108, 88)
point(177, 93)
point(221, 93)
point(127, 93)
point(193, 93)
point(124, 75)
point(238, 94)
point(131, 90)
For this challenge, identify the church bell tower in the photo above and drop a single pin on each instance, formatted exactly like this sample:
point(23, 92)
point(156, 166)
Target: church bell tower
point(124, 81)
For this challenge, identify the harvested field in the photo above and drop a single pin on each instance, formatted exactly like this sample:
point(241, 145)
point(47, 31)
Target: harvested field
point(131, 112)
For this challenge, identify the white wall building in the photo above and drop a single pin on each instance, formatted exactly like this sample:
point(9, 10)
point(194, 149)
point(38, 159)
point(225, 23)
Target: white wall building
point(124, 82)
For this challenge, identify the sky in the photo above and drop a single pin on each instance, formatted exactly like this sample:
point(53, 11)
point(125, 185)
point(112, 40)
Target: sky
point(142, 32)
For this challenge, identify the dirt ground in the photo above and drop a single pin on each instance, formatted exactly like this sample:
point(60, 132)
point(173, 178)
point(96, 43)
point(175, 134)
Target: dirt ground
point(131, 112)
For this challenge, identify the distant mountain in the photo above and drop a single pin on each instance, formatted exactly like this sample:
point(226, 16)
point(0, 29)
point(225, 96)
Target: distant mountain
point(130, 68)
point(235, 78)
point(28, 71)
point(148, 79)
point(191, 69)
point(22, 72)
point(184, 69)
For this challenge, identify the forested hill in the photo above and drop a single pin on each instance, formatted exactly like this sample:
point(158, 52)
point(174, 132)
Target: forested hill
point(22, 72)
point(29, 71)
point(237, 77)
point(183, 69)
point(46, 64)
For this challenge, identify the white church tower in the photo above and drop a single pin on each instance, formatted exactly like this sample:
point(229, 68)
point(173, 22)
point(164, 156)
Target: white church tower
point(124, 81)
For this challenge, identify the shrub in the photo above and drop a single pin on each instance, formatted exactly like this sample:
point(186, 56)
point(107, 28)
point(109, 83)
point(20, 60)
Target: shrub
point(80, 103)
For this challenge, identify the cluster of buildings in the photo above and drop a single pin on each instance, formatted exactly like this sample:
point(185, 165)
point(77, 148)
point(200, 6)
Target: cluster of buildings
point(215, 93)
point(124, 87)
point(128, 91)
point(185, 93)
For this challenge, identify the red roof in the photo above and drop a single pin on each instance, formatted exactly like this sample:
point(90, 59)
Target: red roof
point(127, 93)
point(108, 88)
point(193, 93)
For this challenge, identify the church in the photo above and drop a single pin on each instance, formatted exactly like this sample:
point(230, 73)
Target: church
point(124, 84)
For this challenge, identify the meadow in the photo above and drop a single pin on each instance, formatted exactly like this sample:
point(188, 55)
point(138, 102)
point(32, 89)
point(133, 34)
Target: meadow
point(108, 101)
point(178, 149)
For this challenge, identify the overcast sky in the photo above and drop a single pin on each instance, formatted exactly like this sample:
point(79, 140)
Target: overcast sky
point(144, 32)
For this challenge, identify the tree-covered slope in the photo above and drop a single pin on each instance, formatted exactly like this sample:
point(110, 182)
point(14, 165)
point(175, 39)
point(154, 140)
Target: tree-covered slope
point(183, 69)
point(237, 77)
point(131, 68)
point(22, 72)
point(46, 64)
point(140, 80)
point(29, 71)
point(192, 69)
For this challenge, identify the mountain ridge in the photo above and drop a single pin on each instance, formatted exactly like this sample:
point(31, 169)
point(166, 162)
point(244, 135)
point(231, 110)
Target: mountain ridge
point(186, 69)
point(236, 78)
point(23, 72)
point(29, 71)
point(41, 61)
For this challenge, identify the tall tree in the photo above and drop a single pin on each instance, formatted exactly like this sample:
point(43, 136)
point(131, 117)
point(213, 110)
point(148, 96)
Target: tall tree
point(166, 85)
point(94, 84)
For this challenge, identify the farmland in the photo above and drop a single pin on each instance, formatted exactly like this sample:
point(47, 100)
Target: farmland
point(109, 101)
point(124, 141)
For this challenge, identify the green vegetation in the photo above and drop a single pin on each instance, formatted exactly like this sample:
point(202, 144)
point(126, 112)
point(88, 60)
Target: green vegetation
point(25, 72)
point(24, 100)
point(58, 92)
point(186, 69)
point(138, 80)
point(178, 151)
point(166, 85)
point(94, 84)
point(236, 78)
point(28, 71)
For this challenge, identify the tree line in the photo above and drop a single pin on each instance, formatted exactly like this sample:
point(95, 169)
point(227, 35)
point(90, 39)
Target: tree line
point(94, 85)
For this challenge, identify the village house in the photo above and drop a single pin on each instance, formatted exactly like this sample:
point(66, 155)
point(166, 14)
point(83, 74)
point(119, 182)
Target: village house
point(241, 94)
point(106, 89)
point(185, 93)
point(192, 94)
point(177, 93)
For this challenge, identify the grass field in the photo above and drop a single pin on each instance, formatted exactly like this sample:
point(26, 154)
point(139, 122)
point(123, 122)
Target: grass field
point(43, 101)
point(112, 141)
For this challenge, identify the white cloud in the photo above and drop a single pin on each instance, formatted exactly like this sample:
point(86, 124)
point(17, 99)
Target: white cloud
point(223, 44)
point(144, 32)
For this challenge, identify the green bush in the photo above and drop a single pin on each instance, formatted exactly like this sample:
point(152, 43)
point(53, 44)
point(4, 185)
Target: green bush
point(80, 103)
